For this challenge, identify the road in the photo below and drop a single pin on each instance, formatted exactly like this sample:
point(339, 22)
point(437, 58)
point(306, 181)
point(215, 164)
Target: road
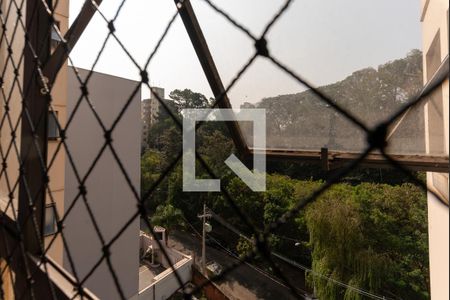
point(246, 282)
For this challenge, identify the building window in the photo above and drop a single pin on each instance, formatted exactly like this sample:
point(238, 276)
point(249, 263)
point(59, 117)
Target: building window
point(440, 184)
point(55, 39)
point(436, 131)
point(159, 235)
point(53, 130)
point(433, 58)
point(50, 220)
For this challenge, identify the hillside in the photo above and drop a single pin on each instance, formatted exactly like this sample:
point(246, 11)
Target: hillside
point(303, 121)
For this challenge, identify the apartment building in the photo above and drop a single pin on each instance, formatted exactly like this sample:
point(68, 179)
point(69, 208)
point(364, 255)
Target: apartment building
point(150, 109)
point(12, 98)
point(108, 194)
point(7, 85)
point(435, 26)
point(55, 199)
point(12, 83)
point(110, 198)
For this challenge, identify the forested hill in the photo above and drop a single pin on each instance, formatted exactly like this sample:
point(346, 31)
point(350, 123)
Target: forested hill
point(303, 121)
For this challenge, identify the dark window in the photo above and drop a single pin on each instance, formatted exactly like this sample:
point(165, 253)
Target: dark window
point(436, 136)
point(53, 130)
point(440, 184)
point(434, 55)
point(159, 235)
point(436, 123)
point(55, 39)
point(50, 220)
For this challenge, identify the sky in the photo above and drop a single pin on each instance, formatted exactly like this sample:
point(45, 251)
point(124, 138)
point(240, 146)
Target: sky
point(324, 41)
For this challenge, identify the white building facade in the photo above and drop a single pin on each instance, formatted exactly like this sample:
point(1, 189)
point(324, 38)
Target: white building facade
point(435, 22)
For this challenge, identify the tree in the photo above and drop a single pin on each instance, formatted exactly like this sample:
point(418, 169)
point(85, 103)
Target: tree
point(215, 147)
point(164, 122)
point(367, 235)
point(304, 120)
point(169, 217)
point(372, 236)
point(152, 163)
point(164, 135)
point(244, 247)
point(188, 99)
point(171, 144)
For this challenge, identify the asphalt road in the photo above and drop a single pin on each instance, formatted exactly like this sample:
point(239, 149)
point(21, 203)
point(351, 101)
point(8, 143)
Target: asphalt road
point(246, 282)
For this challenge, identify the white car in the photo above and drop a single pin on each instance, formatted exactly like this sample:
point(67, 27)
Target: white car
point(213, 268)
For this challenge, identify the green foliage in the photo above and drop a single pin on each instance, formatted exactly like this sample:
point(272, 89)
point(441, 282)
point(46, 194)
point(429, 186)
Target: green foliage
point(165, 143)
point(338, 243)
point(171, 143)
point(265, 208)
point(188, 99)
point(304, 120)
point(244, 247)
point(152, 163)
point(168, 217)
point(190, 203)
point(370, 236)
point(165, 136)
point(215, 148)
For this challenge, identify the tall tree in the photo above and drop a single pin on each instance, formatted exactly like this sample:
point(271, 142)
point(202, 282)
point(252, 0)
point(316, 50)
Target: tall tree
point(188, 99)
point(168, 217)
point(372, 237)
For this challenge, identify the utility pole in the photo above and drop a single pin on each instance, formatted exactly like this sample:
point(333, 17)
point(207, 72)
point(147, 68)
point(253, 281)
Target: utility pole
point(205, 227)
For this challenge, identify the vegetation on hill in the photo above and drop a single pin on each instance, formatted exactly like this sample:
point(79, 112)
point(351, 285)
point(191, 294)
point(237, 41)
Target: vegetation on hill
point(369, 231)
point(303, 121)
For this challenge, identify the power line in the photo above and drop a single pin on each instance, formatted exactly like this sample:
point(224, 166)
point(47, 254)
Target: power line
point(297, 265)
point(230, 253)
point(306, 269)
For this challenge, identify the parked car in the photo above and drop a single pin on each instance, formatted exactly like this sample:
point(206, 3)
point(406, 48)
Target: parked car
point(213, 268)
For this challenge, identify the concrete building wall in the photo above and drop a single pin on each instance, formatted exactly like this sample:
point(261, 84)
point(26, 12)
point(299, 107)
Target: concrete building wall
point(166, 284)
point(10, 94)
point(108, 194)
point(57, 169)
point(7, 278)
point(149, 112)
point(11, 97)
point(435, 48)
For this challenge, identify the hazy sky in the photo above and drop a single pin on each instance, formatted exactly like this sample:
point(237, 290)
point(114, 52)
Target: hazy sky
point(323, 40)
